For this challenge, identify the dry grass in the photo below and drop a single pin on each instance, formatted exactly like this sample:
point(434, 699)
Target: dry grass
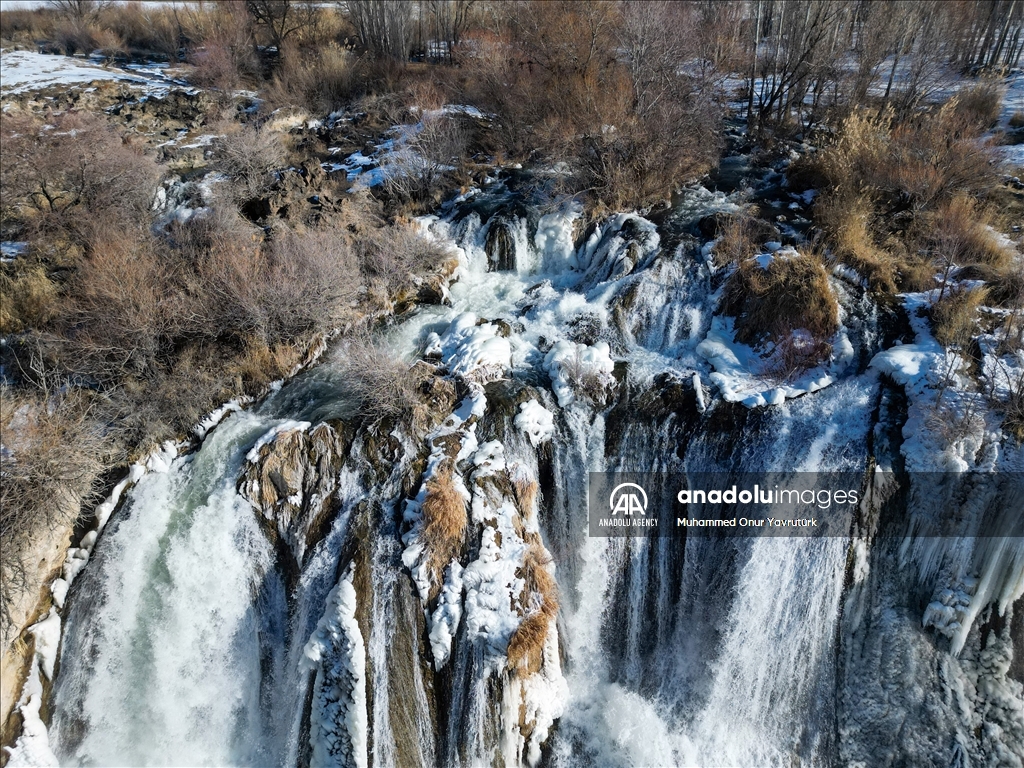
point(958, 233)
point(444, 523)
point(954, 316)
point(980, 104)
point(540, 598)
point(526, 496)
point(848, 223)
point(28, 299)
point(1013, 414)
point(1017, 119)
point(769, 304)
point(898, 188)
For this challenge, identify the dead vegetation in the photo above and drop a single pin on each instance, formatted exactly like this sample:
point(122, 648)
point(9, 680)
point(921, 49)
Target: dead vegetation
point(954, 316)
point(901, 199)
point(52, 454)
point(374, 383)
point(444, 524)
point(791, 294)
point(540, 606)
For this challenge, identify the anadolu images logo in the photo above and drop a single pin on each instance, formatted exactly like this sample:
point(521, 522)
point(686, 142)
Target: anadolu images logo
point(628, 502)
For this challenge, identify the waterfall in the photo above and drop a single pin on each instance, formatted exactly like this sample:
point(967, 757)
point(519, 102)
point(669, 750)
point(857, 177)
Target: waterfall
point(218, 623)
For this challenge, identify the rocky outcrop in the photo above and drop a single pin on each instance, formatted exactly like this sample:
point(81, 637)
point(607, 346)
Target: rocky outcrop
point(500, 247)
point(292, 485)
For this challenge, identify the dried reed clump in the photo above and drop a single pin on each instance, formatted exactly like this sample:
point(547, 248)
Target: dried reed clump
point(897, 188)
point(954, 315)
point(444, 523)
point(958, 233)
point(526, 646)
point(526, 495)
point(28, 299)
point(791, 294)
point(1013, 410)
point(848, 223)
point(737, 240)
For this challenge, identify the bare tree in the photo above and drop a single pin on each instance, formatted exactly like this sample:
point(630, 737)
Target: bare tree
point(283, 18)
point(449, 18)
point(78, 11)
point(383, 26)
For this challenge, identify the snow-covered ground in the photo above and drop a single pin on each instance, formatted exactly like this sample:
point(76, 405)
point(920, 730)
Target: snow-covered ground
point(26, 71)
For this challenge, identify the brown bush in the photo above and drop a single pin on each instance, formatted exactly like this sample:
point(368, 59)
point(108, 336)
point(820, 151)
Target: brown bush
point(598, 87)
point(374, 385)
point(444, 523)
point(320, 80)
point(120, 313)
point(792, 293)
point(142, 28)
point(250, 157)
point(980, 104)
point(28, 298)
point(1017, 119)
point(70, 175)
point(52, 455)
point(954, 316)
point(390, 257)
point(23, 25)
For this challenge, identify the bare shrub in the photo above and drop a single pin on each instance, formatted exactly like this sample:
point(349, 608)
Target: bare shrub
point(444, 523)
point(587, 380)
point(72, 173)
point(214, 66)
point(52, 455)
point(980, 104)
point(120, 313)
point(320, 80)
point(373, 383)
point(426, 156)
point(250, 157)
point(391, 257)
point(312, 284)
point(954, 316)
point(791, 294)
point(1017, 119)
point(143, 27)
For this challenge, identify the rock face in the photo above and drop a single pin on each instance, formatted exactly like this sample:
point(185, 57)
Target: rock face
point(292, 485)
point(500, 247)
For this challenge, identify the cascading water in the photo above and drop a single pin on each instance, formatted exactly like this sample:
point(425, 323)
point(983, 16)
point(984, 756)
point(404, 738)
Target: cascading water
point(273, 599)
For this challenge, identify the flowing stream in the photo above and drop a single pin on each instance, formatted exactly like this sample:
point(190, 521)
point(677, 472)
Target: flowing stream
point(197, 637)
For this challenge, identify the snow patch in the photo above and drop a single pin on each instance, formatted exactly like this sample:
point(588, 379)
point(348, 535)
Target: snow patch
point(536, 421)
